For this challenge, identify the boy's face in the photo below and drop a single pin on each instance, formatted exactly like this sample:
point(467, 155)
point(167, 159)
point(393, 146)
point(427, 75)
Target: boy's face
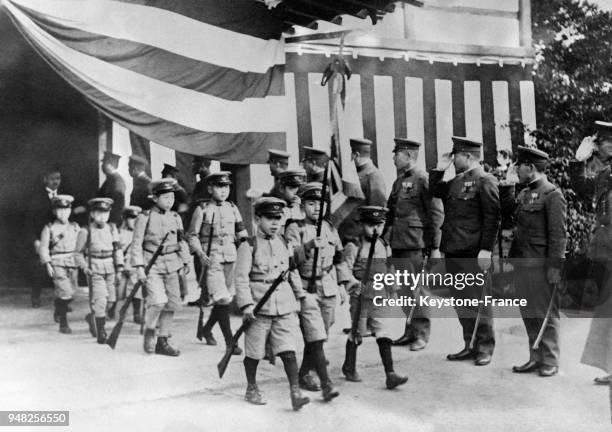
point(218, 192)
point(369, 227)
point(269, 224)
point(311, 209)
point(130, 222)
point(100, 216)
point(164, 201)
point(62, 214)
point(289, 192)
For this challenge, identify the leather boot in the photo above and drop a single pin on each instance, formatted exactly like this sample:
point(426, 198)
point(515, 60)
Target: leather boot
point(136, 305)
point(92, 327)
point(297, 399)
point(56, 311)
point(149, 341)
point(254, 396)
point(394, 380)
point(100, 322)
point(63, 319)
point(349, 368)
point(110, 312)
point(164, 348)
point(236, 350)
point(329, 392)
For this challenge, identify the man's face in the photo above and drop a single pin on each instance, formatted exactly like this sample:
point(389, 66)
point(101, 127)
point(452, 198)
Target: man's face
point(402, 159)
point(269, 224)
point(164, 201)
point(100, 216)
point(53, 180)
point(461, 160)
point(200, 168)
point(524, 172)
point(309, 166)
point(219, 192)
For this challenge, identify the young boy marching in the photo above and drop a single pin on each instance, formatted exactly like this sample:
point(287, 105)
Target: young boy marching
point(331, 273)
point(260, 261)
point(57, 245)
point(99, 256)
point(289, 183)
point(129, 276)
point(228, 230)
point(162, 282)
point(372, 218)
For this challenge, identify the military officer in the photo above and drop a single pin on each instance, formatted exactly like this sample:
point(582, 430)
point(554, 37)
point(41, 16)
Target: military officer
point(278, 161)
point(538, 250)
point(113, 187)
point(372, 185)
point(471, 220)
point(314, 163)
point(414, 221)
point(137, 167)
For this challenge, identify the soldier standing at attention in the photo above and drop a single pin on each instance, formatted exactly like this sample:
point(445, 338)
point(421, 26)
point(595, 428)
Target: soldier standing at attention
point(314, 163)
point(137, 167)
point(471, 220)
point(260, 261)
point(372, 185)
point(57, 245)
point(414, 221)
point(162, 282)
point(98, 244)
point(228, 230)
point(539, 251)
point(374, 317)
point(113, 187)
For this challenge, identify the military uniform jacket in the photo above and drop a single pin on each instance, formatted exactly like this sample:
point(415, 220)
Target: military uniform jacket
point(125, 242)
point(356, 256)
point(316, 177)
point(228, 227)
point(114, 188)
point(595, 188)
point(471, 210)
point(260, 261)
point(292, 213)
point(331, 267)
point(149, 231)
point(373, 187)
point(415, 216)
point(103, 246)
point(540, 225)
point(140, 192)
point(58, 243)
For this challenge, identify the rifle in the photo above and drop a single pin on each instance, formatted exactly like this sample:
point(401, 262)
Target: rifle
point(92, 323)
point(366, 278)
point(480, 307)
point(312, 287)
point(112, 339)
point(536, 343)
point(204, 296)
point(222, 365)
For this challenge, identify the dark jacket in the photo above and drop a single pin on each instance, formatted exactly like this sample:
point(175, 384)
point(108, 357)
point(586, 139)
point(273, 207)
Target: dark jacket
point(594, 189)
point(140, 192)
point(114, 188)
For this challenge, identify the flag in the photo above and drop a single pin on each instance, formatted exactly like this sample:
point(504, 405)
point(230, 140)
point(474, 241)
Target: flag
point(203, 77)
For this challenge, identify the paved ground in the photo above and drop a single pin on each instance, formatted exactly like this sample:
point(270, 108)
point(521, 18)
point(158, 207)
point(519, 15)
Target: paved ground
point(125, 389)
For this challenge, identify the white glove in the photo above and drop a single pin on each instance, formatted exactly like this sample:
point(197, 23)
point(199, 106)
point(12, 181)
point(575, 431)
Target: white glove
point(586, 148)
point(484, 259)
point(435, 253)
point(511, 175)
point(445, 162)
point(254, 194)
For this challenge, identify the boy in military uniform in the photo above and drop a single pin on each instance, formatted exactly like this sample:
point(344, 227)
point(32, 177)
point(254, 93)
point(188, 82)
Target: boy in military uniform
point(539, 250)
point(289, 184)
point(99, 256)
point(128, 277)
point(162, 283)
point(260, 262)
point(331, 271)
point(228, 229)
point(57, 245)
point(374, 317)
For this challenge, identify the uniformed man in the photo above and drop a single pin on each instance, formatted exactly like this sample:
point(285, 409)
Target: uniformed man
point(113, 187)
point(162, 282)
point(538, 250)
point(181, 199)
point(201, 169)
point(289, 183)
point(260, 261)
point(471, 220)
point(278, 161)
point(137, 167)
point(372, 185)
point(414, 221)
point(314, 163)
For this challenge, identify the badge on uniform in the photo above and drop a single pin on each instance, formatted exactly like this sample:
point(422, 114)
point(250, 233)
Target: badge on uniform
point(533, 197)
point(407, 186)
point(467, 186)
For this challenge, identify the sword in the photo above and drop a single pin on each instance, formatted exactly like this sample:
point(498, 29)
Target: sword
point(480, 309)
point(536, 343)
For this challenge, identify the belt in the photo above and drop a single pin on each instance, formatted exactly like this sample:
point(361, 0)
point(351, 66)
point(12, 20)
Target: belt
point(321, 275)
point(165, 250)
point(61, 253)
point(221, 240)
point(102, 255)
point(267, 281)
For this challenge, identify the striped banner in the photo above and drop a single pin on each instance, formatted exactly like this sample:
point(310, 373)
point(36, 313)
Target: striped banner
point(213, 86)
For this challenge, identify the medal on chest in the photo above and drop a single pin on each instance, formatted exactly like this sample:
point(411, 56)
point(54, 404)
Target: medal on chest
point(467, 186)
point(533, 197)
point(407, 186)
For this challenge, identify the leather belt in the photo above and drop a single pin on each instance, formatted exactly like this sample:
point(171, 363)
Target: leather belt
point(165, 250)
point(325, 271)
point(102, 255)
point(61, 253)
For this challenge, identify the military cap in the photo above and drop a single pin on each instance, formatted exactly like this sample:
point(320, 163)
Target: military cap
point(314, 154)
point(292, 177)
point(269, 206)
point(221, 178)
point(169, 169)
point(373, 214)
point(604, 129)
point(163, 186)
point(405, 144)
point(62, 201)
point(531, 155)
point(132, 211)
point(138, 160)
point(311, 191)
point(361, 145)
point(465, 144)
point(103, 204)
point(111, 157)
point(278, 155)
